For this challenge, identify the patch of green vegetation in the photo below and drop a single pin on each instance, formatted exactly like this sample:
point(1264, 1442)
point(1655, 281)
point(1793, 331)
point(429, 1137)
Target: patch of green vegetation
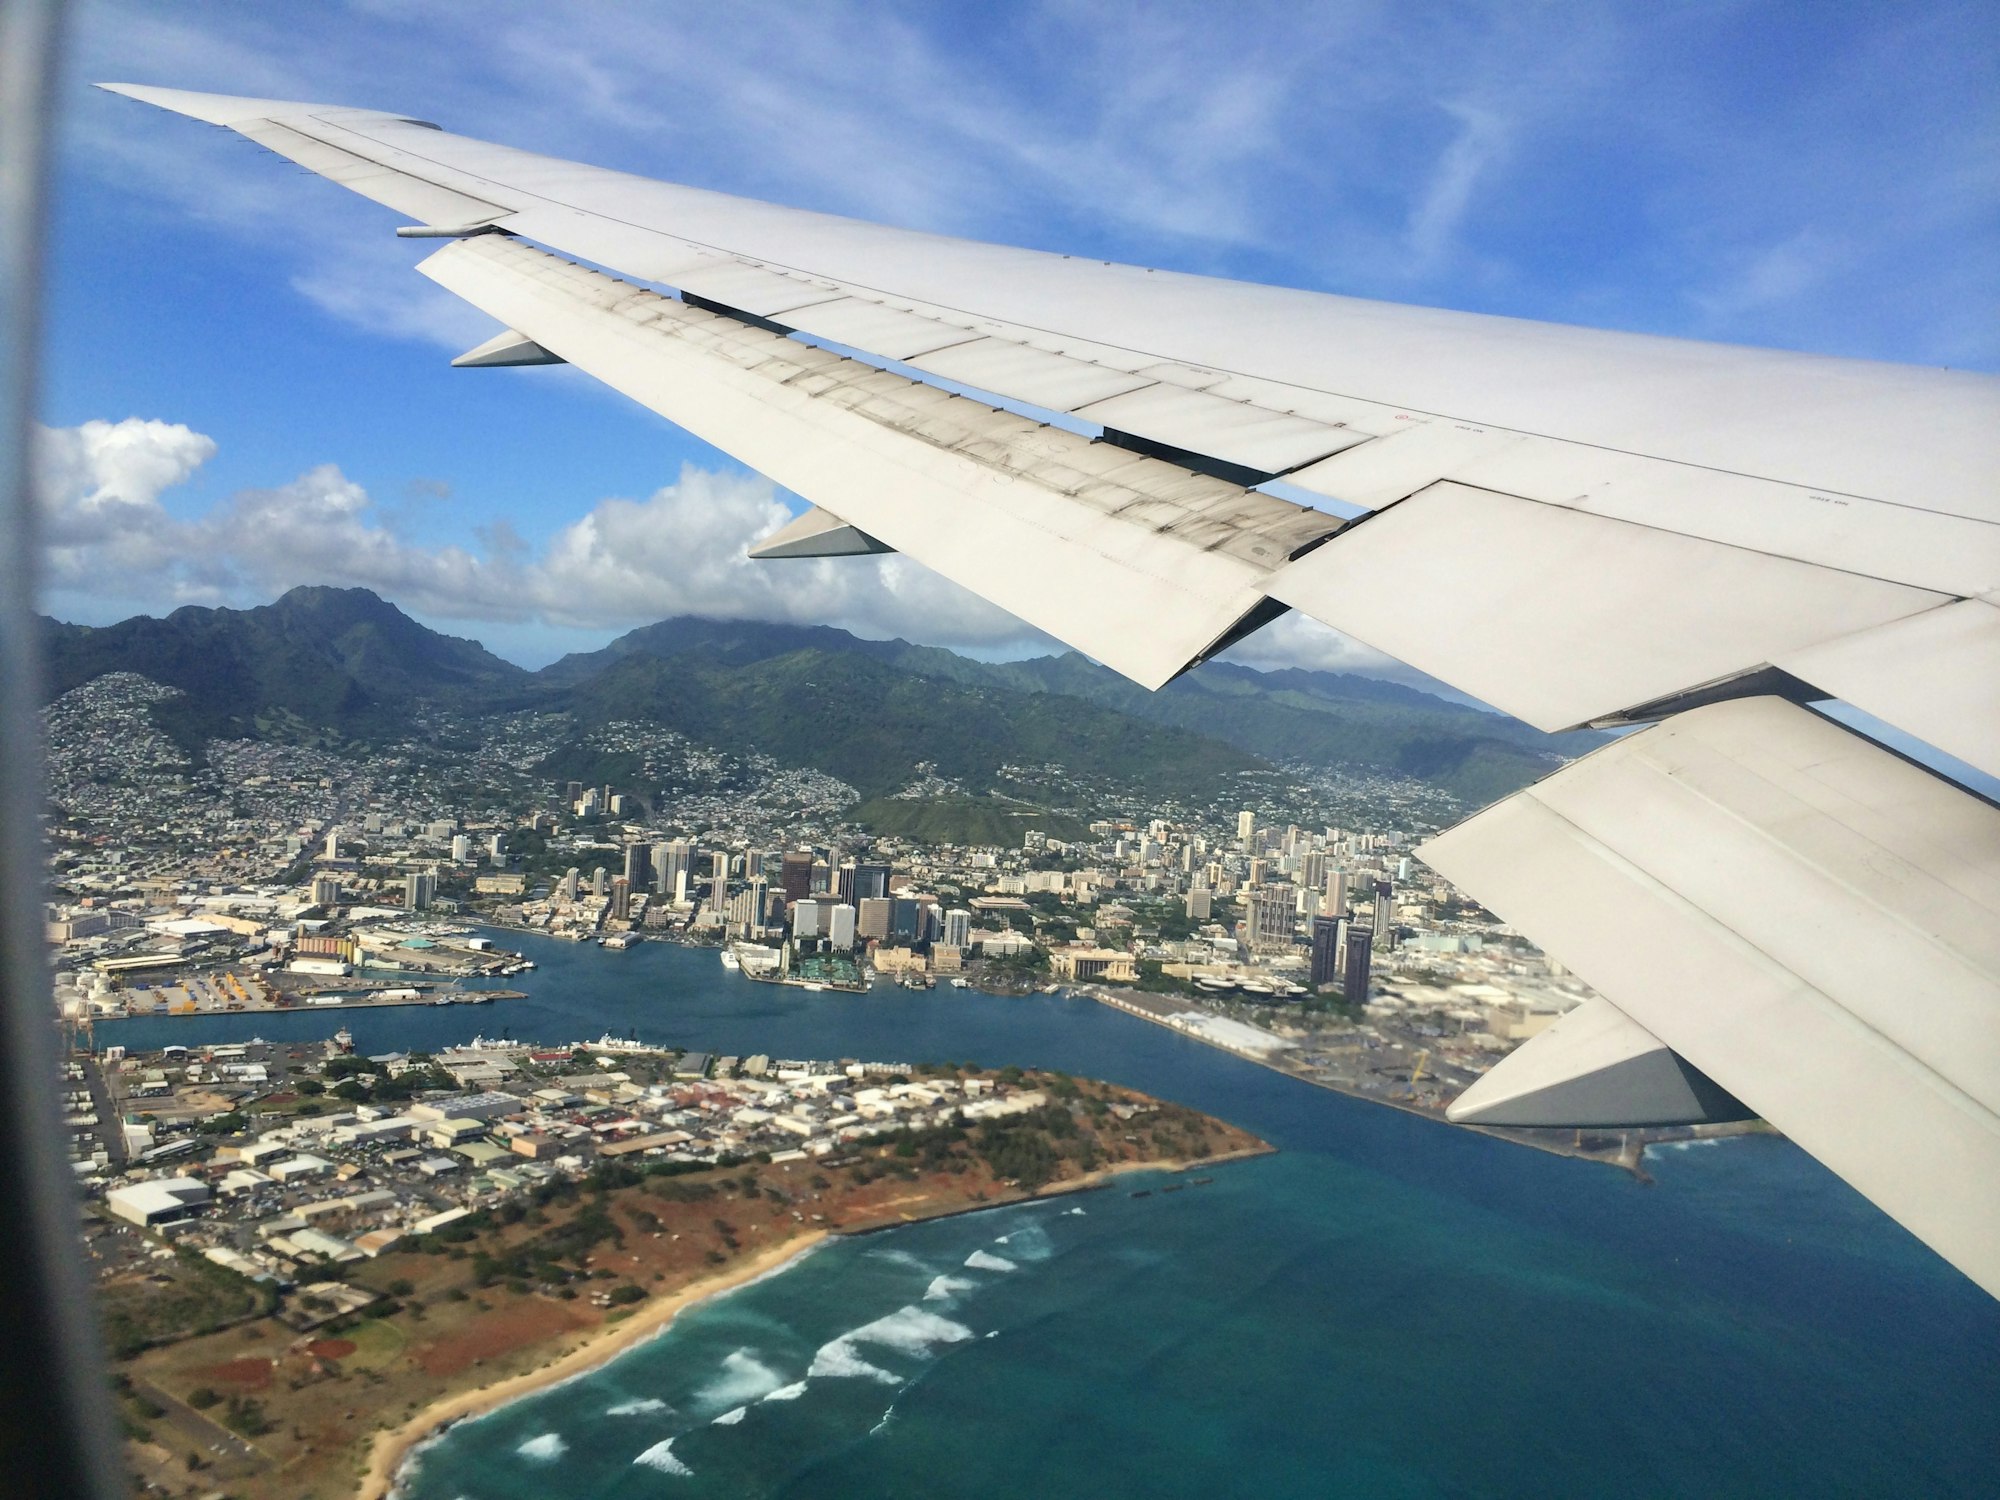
point(197, 1297)
point(964, 820)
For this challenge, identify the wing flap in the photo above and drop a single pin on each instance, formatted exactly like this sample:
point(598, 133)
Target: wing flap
point(1562, 618)
point(1936, 675)
point(1786, 832)
point(1076, 537)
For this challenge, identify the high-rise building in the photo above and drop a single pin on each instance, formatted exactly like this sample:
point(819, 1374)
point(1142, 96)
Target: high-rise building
point(1384, 926)
point(638, 864)
point(870, 881)
point(795, 874)
point(1325, 951)
point(842, 886)
point(958, 929)
point(575, 793)
point(621, 898)
point(872, 915)
point(569, 883)
point(1312, 869)
point(618, 802)
point(1336, 892)
point(496, 849)
point(1246, 827)
point(1199, 903)
point(811, 918)
point(671, 860)
point(718, 882)
point(840, 925)
point(1354, 971)
point(1268, 912)
point(906, 920)
point(461, 848)
point(326, 890)
point(333, 842)
point(419, 890)
point(1258, 869)
point(600, 881)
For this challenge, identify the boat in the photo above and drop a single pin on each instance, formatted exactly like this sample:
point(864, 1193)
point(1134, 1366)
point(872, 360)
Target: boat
point(961, 984)
point(729, 959)
point(1143, 1193)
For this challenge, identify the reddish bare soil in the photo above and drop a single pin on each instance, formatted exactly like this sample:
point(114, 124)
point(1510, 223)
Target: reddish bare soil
point(514, 1324)
point(251, 1374)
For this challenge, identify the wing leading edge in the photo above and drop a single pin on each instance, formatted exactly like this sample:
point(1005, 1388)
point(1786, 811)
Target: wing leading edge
point(1580, 527)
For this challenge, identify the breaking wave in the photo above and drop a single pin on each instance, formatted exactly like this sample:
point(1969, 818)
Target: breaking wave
point(544, 1449)
point(947, 1286)
point(979, 1260)
point(900, 1257)
point(661, 1456)
point(790, 1392)
point(636, 1407)
point(744, 1378)
point(731, 1417)
point(1076, 1211)
point(838, 1361)
point(910, 1330)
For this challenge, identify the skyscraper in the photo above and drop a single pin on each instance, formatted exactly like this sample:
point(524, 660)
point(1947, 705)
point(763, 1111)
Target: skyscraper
point(600, 881)
point(840, 929)
point(1384, 926)
point(621, 898)
point(718, 882)
point(1354, 977)
point(326, 890)
point(461, 848)
point(870, 880)
point(333, 842)
point(569, 881)
point(1325, 950)
point(795, 874)
point(638, 864)
point(419, 890)
point(958, 928)
point(1246, 827)
point(1268, 912)
point(872, 917)
point(1336, 892)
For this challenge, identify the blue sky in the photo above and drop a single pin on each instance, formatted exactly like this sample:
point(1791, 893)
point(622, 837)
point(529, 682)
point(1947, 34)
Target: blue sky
point(248, 387)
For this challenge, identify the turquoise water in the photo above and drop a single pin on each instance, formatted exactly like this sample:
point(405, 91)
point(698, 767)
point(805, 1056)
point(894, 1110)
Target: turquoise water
point(1389, 1308)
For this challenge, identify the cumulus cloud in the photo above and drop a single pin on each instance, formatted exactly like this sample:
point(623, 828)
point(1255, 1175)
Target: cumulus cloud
point(625, 562)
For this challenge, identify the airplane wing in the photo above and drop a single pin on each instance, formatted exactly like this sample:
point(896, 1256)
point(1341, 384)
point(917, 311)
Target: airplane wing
point(1580, 527)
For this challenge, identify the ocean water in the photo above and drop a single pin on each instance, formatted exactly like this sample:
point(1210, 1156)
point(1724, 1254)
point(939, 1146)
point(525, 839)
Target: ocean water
point(1388, 1308)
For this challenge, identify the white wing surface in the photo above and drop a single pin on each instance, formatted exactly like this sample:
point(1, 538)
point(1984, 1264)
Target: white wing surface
point(1580, 527)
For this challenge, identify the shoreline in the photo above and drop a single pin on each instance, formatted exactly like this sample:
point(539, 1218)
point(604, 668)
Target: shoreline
point(391, 1449)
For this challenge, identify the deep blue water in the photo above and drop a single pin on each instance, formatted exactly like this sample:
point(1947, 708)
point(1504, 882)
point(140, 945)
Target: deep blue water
point(1388, 1308)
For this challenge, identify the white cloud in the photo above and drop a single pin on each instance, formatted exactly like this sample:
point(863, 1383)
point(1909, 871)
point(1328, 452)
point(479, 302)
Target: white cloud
point(624, 563)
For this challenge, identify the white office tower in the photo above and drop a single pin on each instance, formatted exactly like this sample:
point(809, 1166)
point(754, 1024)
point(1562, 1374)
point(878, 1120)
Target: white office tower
point(461, 849)
point(599, 881)
point(958, 929)
point(1403, 869)
point(333, 842)
point(569, 884)
point(1246, 827)
point(1199, 903)
point(806, 919)
point(1336, 893)
point(681, 886)
point(840, 931)
point(1308, 903)
point(496, 848)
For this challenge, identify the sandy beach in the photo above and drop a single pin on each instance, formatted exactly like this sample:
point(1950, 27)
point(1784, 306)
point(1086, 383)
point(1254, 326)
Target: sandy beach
point(391, 1448)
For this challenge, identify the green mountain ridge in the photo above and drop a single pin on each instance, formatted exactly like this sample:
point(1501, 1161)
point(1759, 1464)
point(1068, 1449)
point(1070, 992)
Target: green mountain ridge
point(344, 663)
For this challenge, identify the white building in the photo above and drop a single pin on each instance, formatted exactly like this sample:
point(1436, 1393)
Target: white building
point(156, 1202)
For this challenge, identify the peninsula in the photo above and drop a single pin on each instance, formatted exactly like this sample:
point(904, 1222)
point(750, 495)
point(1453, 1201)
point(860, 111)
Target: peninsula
point(275, 1354)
